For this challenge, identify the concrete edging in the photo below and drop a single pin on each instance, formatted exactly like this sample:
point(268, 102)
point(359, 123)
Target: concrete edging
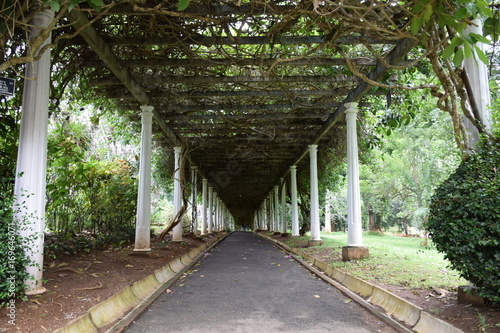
point(413, 316)
point(135, 295)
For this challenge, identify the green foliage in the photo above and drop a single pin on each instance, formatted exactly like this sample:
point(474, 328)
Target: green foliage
point(56, 244)
point(464, 219)
point(183, 4)
point(413, 155)
point(84, 191)
point(456, 15)
point(12, 251)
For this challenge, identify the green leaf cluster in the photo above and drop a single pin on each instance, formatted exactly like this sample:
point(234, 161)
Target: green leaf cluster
point(83, 190)
point(12, 251)
point(464, 220)
point(456, 15)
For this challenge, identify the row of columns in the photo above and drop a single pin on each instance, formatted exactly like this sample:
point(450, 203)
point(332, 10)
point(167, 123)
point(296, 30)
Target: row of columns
point(30, 184)
point(263, 218)
point(214, 213)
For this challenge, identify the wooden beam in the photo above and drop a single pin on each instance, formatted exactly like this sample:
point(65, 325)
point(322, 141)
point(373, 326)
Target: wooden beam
point(191, 108)
point(243, 40)
point(204, 10)
point(239, 107)
point(248, 123)
point(266, 116)
point(159, 79)
point(241, 62)
point(215, 131)
point(237, 93)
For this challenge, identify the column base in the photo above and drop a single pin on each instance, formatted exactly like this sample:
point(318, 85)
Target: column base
point(38, 291)
point(315, 242)
point(142, 250)
point(354, 252)
point(146, 253)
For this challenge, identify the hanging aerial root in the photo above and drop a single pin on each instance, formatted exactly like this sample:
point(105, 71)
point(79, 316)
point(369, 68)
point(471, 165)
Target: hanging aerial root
point(184, 192)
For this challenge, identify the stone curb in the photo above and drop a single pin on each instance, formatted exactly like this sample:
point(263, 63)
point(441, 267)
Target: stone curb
point(136, 294)
point(413, 316)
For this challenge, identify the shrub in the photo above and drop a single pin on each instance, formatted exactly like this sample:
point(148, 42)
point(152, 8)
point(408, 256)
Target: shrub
point(464, 220)
point(12, 266)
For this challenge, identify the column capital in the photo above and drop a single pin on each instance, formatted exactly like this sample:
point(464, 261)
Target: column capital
point(194, 167)
point(293, 167)
point(177, 150)
point(351, 110)
point(313, 147)
point(204, 180)
point(147, 110)
point(351, 107)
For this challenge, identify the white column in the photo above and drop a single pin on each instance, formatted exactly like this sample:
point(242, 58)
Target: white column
point(315, 225)
point(283, 206)
point(210, 221)
point(477, 72)
point(218, 211)
point(265, 215)
point(328, 216)
point(262, 216)
point(177, 231)
point(194, 198)
point(295, 210)
point(354, 231)
point(142, 233)
point(223, 216)
point(31, 169)
point(270, 213)
point(204, 186)
point(276, 210)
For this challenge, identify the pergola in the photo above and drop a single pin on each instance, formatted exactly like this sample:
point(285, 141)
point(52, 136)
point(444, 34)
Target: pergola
point(246, 90)
point(242, 87)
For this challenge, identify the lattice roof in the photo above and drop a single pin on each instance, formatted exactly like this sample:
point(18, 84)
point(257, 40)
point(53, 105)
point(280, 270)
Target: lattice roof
point(244, 86)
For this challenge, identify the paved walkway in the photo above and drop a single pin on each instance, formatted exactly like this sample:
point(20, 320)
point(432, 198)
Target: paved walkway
point(246, 284)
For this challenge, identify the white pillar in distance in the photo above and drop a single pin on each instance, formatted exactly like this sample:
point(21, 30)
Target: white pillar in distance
point(328, 215)
point(194, 198)
point(315, 225)
point(295, 210)
point(276, 210)
point(283, 206)
point(204, 185)
point(210, 221)
point(177, 231)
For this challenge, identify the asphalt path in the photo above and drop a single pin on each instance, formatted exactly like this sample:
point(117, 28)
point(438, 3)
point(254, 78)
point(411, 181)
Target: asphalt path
point(247, 284)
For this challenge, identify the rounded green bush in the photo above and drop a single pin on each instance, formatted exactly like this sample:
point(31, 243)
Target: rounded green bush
point(464, 219)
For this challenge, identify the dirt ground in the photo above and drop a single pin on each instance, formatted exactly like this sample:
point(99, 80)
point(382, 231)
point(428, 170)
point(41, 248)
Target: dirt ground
point(440, 303)
point(76, 282)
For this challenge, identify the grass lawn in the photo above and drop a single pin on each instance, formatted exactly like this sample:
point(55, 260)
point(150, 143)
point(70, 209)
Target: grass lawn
point(394, 260)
